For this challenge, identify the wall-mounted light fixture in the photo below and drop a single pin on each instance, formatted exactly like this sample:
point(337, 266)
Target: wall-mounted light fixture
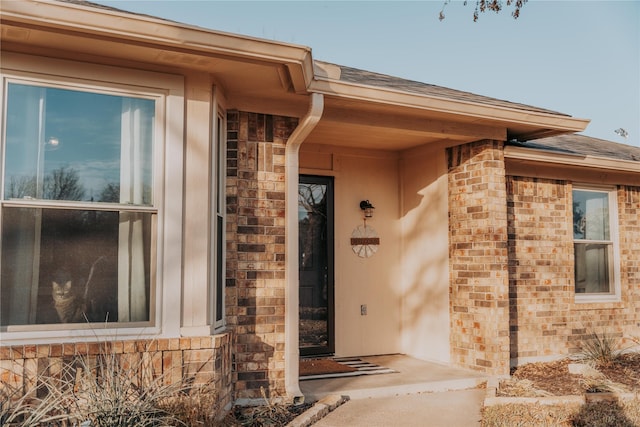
point(367, 208)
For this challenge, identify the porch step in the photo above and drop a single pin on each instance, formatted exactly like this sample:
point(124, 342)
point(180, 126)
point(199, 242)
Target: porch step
point(411, 376)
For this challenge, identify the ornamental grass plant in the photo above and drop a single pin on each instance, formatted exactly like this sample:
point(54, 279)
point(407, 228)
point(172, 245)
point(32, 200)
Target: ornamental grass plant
point(108, 390)
point(601, 349)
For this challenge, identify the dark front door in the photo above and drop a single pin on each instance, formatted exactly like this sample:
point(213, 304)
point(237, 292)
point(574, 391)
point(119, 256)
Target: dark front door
point(315, 226)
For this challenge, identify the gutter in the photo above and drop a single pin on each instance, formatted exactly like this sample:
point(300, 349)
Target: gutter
point(420, 101)
point(106, 24)
point(291, 293)
point(550, 156)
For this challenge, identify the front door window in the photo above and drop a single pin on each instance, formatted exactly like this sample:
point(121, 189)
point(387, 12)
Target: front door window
point(315, 224)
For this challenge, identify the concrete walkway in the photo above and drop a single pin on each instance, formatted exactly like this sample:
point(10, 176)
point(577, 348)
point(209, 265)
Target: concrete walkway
point(460, 408)
point(412, 376)
point(419, 393)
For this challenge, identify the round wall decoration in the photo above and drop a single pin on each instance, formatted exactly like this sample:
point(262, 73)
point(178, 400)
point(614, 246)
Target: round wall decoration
point(364, 241)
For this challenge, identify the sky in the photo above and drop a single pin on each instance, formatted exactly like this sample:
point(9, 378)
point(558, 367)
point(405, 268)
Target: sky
point(580, 58)
point(88, 129)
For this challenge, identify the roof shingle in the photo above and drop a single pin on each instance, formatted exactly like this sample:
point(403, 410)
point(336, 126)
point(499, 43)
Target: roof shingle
point(363, 77)
point(583, 145)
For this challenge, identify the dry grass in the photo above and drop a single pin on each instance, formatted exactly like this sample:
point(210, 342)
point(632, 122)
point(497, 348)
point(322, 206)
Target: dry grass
point(618, 372)
point(600, 414)
point(272, 412)
point(110, 390)
point(526, 415)
point(107, 390)
point(520, 388)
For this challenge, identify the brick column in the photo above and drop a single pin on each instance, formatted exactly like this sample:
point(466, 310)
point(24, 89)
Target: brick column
point(479, 287)
point(255, 249)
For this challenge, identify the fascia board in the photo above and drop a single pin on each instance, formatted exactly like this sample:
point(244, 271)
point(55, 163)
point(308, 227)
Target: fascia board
point(158, 33)
point(447, 105)
point(549, 156)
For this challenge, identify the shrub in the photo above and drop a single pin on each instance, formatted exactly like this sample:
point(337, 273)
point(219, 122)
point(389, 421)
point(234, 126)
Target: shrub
point(108, 390)
point(601, 349)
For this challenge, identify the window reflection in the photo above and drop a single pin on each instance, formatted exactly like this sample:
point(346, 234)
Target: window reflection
point(64, 263)
point(72, 145)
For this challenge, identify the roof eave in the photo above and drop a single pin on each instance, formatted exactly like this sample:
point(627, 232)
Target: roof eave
point(161, 34)
point(546, 124)
point(550, 156)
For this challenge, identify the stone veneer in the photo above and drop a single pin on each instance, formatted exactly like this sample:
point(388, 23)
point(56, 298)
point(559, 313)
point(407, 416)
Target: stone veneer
point(545, 320)
point(255, 284)
point(202, 359)
point(479, 296)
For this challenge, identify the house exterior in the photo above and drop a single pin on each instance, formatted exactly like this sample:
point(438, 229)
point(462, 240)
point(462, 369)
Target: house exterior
point(202, 192)
point(567, 283)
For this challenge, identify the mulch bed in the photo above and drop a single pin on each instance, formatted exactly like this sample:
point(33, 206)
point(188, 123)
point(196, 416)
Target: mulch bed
point(625, 370)
point(554, 377)
point(262, 416)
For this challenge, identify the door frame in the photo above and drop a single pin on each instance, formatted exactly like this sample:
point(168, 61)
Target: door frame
point(329, 349)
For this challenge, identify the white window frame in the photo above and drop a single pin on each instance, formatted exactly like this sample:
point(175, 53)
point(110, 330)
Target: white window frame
point(614, 293)
point(217, 258)
point(168, 92)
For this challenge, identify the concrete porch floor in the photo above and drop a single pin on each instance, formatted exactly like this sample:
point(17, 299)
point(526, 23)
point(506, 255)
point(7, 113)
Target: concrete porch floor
point(412, 376)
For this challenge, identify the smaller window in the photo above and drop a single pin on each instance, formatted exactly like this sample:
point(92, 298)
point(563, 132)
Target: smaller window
point(595, 243)
point(218, 220)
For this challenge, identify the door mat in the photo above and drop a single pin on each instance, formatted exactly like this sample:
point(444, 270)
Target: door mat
point(339, 367)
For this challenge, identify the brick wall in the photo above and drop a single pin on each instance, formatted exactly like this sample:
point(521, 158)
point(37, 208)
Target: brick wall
point(545, 320)
point(629, 213)
point(479, 303)
point(540, 266)
point(171, 361)
point(256, 249)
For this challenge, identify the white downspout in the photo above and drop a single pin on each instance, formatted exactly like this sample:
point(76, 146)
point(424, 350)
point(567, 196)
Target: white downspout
point(291, 293)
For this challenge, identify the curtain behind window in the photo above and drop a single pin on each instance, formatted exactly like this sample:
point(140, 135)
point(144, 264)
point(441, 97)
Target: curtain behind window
point(135, 183)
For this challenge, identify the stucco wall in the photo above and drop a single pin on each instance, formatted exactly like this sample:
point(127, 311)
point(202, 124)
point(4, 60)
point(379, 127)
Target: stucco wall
point(405, 285)
point(424, 269)
point(363, 175)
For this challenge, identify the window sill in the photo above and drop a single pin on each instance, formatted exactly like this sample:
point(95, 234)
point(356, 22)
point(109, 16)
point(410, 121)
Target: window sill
point(597, 302)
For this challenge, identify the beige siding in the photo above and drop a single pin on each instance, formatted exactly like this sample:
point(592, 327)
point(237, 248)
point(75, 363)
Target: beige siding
point(424, 269)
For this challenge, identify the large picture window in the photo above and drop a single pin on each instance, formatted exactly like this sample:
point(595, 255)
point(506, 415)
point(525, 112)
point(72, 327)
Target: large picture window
point(594, 241)
point(77, 211)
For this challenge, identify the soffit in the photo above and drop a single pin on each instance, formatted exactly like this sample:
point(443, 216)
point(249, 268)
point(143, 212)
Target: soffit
point(515, 121)
point(365, 124)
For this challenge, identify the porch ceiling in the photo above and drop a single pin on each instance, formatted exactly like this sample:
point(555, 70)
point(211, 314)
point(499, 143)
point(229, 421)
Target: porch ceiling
point(362, 124)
